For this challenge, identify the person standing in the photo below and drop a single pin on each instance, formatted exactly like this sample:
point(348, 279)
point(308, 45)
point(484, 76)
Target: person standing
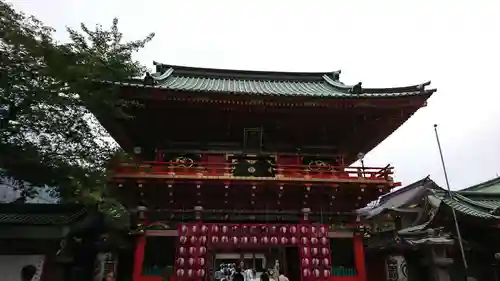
point(264, 276)
point(282, 276)
point(237, 275)
point(219, 274)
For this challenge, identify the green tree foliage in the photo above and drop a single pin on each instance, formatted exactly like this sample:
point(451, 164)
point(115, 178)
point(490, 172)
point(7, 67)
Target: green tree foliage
point(48, 137)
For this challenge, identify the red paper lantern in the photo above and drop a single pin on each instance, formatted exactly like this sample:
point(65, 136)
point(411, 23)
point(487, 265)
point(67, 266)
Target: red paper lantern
point(304, 240)
point(234, 240)
point(264, 229)
point(313, 229)
point(283, 229)
point(305, 251)
point(235, 228)
point(215, 239)
point(183, 239)
point(190, 273)
point(184, 229)
point(200, 272)
point(274, 240)
point(306, 272)
point(224, 239)
point(326, 262)
point(273, 229)
point(293, 229)
point(180, 272)
point(324, 240)
point(192, 250)
point(264, 240)
point(254, 240)
point(182, 250)
point(203, 240)
point(253, 229)
point(322, 230)
point(244, 240)
point(224, 229)
point(191, 261)
point(201, 261)
point(305, 262)
point(303, 230)
point(316, 272)
point(215, 228)
point(315, 262)
point(193, 239)
point(204, 229)
point(314, 240)
point(314, 251)
point(326, 273)
point(194, 228)
point(284, 240)
point(293, 240)
point(180, 261)
point(325, 251)
point(203, 250)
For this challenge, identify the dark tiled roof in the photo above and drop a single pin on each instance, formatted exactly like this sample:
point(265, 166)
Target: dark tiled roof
point(397, 199)
point(181, 78)
point(41, 214)
point(480, 201)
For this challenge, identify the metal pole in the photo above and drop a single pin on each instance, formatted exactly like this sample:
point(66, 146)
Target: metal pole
point(457, 228)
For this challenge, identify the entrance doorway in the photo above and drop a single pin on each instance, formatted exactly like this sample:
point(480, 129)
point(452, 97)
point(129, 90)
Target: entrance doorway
point(258, 261)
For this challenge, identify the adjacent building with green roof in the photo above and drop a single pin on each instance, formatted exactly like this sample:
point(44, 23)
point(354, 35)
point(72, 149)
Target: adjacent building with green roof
point(416, 222)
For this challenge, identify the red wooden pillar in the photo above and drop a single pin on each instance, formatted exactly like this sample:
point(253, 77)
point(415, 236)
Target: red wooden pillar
point(359, 255)
point(140, 244)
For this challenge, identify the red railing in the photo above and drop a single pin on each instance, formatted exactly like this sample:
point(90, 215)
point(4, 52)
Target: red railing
point(207, 169)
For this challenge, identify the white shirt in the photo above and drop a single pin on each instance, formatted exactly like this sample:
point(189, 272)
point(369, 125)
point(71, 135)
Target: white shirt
point(282, 278)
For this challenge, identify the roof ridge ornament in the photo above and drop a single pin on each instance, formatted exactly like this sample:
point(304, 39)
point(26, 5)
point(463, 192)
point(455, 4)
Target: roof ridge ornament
point(149, 80)
point(336, 75)
point(421, 87)
point(152, 79)
point(357, 89)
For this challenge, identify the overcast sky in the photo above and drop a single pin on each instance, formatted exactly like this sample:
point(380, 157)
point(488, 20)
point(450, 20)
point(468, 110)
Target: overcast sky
point(455, 44)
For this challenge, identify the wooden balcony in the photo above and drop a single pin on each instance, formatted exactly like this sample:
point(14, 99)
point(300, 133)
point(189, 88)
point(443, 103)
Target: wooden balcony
point(224, 171)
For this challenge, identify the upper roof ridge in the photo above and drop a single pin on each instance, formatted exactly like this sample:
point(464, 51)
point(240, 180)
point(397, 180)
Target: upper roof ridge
point(331, 78)
point(242, 74)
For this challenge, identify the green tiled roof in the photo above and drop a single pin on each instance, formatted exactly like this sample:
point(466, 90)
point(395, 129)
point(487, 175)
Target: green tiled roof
point(41, 214)
point(181, 78)
point(484, 207)
point(491, 186)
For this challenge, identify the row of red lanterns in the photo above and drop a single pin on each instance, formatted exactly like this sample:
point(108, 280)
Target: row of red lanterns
point(181, 272)
point(306, 251)
point(193, 251)
point(253, 240)
point(306, 272)
point(237, 229)
point(181, 262)
point(306, 262)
